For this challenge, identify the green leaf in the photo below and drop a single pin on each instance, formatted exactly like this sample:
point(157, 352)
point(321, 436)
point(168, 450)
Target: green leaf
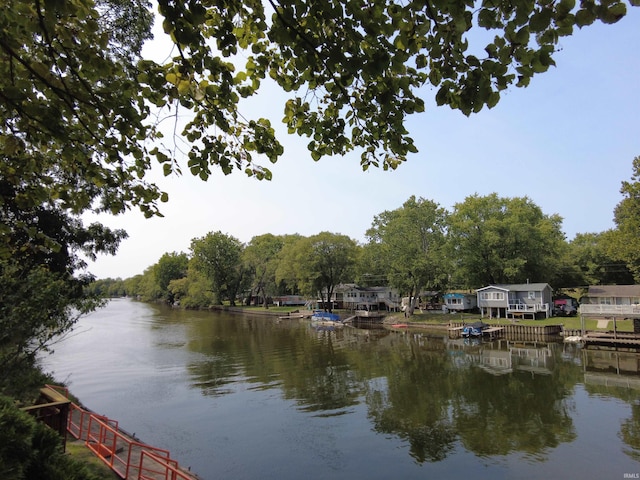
point(613, 13)
point(585, 17)
point(541, 20)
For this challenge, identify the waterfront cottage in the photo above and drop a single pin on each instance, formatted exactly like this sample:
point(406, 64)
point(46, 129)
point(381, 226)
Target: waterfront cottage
point(352, 296)
point(515, 301)
point(612, 300)
point(460, 302)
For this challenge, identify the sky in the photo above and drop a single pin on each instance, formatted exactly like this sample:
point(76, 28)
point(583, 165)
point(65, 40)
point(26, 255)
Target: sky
point(567, 141)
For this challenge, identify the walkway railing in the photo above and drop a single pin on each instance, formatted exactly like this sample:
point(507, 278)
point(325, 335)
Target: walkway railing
point(152, 467)
point(129, 458)
point(609, 310)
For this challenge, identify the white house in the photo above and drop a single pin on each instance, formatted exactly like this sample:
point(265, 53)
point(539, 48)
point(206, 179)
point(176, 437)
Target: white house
point(352, 296)
point(612, 300)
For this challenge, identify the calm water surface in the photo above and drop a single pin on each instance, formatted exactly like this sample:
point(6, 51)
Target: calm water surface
point(238, 397)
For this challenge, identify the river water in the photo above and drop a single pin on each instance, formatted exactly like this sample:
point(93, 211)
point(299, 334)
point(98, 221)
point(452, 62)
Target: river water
point(240, 397)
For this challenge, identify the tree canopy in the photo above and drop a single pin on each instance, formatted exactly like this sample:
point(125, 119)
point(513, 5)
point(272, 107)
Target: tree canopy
point(625, 239)
point(354, 69)
point(409, 243)
point(317, 264)
point(217, 257)
point(71, 140)
point(503, 240)
point(79, 114)
point(261, 258)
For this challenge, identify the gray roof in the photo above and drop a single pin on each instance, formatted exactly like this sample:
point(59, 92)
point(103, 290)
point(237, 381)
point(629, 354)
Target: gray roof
point(519, 287)
point(614, 291)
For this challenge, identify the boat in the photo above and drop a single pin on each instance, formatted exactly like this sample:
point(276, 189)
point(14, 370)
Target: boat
point(474, 329)
point(573, 339)
point(321, 316)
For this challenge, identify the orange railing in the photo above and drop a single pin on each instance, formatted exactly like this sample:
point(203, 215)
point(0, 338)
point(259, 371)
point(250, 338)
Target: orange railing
point(80, 420)
point(153, 467)
point(120, 451)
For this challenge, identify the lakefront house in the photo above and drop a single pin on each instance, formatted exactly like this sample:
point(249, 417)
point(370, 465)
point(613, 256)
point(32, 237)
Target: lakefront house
point(523, 300)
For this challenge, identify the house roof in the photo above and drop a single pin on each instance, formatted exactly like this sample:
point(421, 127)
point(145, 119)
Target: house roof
point(343, 287)
point(518, 287)
point(614, 291)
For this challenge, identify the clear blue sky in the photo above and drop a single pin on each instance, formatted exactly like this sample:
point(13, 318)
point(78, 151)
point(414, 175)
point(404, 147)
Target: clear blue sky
point(567, 142)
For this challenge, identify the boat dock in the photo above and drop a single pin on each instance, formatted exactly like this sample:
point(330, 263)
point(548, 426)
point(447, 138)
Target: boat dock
point(492, 332)
point(611, 339)
point(513, 330)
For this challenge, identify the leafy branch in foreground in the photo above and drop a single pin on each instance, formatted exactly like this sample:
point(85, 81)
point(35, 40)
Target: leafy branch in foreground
point(355, 69)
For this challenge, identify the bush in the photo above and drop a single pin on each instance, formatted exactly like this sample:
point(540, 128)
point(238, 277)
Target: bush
point(32, 451)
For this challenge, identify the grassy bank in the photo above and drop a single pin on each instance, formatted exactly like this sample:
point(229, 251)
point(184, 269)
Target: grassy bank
point(571, 323)
point(80, 452)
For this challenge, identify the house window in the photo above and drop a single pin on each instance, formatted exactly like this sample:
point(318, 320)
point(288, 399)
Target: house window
point(531, 295)
point(492, 295)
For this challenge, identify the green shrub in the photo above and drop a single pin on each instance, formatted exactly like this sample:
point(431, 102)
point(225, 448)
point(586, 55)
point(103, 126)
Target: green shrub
point(32, 451)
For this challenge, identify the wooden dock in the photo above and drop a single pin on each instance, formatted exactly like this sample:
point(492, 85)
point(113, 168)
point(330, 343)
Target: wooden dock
point(492, 332)
point(611, 338)
point(533, 332)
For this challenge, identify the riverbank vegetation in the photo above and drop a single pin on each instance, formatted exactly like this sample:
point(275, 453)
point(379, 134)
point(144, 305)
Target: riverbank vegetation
point(415, 248)
point(31, 450)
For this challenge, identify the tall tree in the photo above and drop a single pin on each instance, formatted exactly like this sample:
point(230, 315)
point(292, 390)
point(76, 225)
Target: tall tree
point(625, 239)
point(218, 257)
point(171, 266)
point(261, 258)
point(591, 260)
point(286, 274)
point(320, 263)
point(411, 243)
point(502, 240)
point(71, 128)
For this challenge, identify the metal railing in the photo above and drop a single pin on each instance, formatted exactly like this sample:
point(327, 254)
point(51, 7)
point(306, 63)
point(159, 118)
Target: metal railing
point(153, 467)
point(603, 309)
point(126, 456)
point(118, 450)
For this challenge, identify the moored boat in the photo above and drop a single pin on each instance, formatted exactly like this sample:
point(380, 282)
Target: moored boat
point(474, 329)
point(321, 316)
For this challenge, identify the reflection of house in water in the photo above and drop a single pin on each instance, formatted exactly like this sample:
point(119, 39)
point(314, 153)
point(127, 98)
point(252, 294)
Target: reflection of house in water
point(533, 358)
point(612, 368)
point(496, 362)
point(499, 358)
